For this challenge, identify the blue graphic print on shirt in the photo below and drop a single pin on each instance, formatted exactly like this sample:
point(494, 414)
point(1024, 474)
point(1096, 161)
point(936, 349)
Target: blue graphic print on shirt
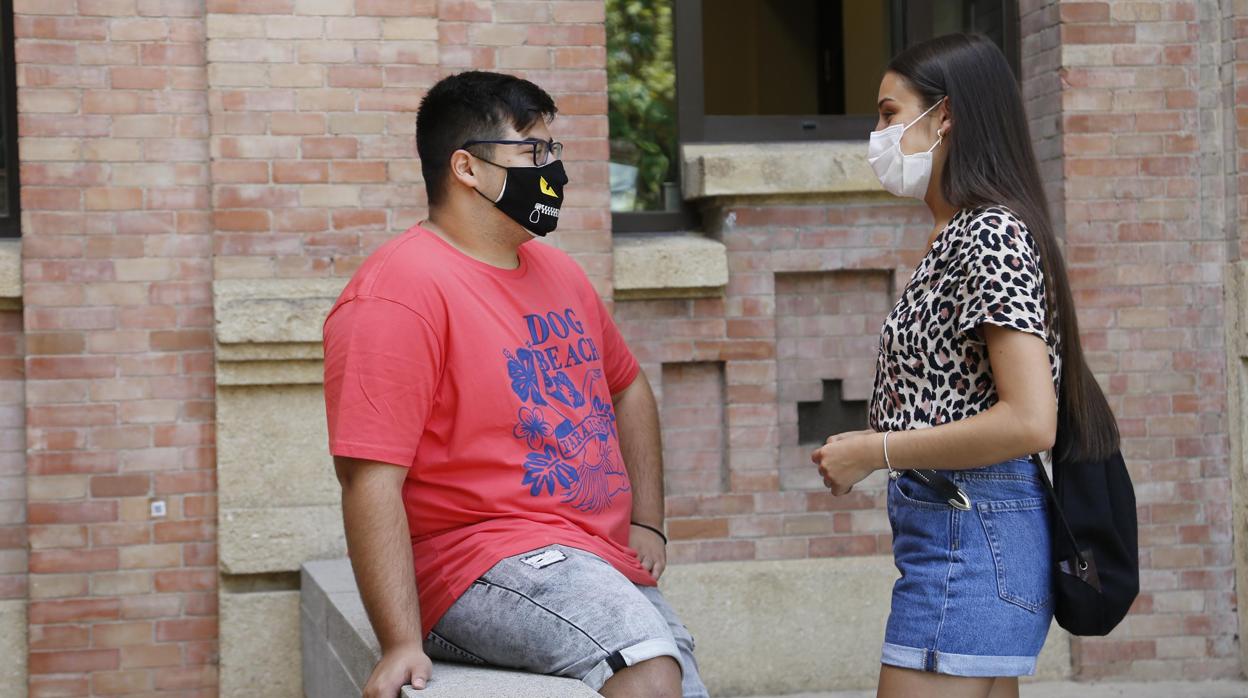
point(568, 429)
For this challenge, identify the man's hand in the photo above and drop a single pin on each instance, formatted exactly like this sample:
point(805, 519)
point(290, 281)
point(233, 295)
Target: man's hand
point(400, 666)
point(649, 548)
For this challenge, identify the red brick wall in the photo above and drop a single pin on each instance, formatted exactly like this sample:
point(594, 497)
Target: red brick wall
point(313, 120)
point(1120, 131)
point(277, 135)
point(1147, 247)
point(13, 555)
point(808, 287)
point(118, 331)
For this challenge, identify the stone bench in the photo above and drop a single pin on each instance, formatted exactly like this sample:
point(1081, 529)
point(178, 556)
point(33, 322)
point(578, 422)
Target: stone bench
point(761, 628)
point(340, 649)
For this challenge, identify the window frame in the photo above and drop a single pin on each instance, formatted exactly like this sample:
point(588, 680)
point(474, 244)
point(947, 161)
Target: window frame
point(694, 125)
point(11, 224)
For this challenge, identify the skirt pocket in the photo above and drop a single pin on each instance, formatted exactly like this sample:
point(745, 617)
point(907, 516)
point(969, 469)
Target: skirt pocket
point(1018, 537)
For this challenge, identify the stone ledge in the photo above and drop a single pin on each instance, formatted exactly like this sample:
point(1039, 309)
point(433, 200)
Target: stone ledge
point(761, 628)
point(777, 169)
point(273, 311)
point(258, 541)
point(268, 331)
point(340, 649)
point(10, 274)
point(677, 265)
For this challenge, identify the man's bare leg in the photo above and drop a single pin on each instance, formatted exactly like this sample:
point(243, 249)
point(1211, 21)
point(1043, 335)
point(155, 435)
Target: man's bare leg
point(653, 678)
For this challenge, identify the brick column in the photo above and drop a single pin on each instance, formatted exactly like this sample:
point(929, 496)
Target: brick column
point(1147, 250)
point(118, 324)
point(561, 46)
point(13, 554)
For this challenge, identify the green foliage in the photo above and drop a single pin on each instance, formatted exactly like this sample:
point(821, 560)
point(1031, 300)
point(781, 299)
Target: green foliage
point(641, 93)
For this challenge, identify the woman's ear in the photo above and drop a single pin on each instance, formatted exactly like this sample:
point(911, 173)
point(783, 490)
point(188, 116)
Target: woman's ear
point(944, 118)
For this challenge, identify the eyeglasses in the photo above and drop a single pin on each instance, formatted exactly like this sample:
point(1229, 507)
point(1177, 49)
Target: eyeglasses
point(543, 151)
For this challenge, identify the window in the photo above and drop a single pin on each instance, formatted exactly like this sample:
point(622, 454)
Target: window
point(10, 215)
point(689, 71)
point(795, 70)
point(641, 109)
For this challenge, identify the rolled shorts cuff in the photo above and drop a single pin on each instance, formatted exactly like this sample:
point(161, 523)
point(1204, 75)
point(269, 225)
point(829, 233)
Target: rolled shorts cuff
point(629, 656)
point(970, 665)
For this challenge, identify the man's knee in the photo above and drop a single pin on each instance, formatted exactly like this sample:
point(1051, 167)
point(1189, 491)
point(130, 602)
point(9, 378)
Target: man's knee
point(653, 678)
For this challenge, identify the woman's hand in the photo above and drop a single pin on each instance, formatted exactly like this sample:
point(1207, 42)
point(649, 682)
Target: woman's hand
point(847, 458)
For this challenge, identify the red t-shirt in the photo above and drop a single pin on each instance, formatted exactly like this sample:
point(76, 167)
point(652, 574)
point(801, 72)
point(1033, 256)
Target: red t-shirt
point(493, 387)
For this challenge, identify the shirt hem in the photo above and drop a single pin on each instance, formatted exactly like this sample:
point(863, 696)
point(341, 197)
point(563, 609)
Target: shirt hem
point(347, 449)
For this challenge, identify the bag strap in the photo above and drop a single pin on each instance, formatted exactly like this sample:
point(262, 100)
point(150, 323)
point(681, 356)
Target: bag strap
point(1057, 508)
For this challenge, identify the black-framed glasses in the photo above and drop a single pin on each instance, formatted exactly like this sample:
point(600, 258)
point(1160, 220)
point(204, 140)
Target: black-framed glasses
point(543, 151)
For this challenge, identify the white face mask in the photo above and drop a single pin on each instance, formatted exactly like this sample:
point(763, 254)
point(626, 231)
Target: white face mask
point(901, 174)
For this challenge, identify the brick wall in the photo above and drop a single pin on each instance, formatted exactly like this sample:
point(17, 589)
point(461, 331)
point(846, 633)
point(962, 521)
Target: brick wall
point(313, 120)
point(808, 287)
point(13, 556)
point(1147, 249)
point(276, 136)
point(119, 390)
point(1130, 136)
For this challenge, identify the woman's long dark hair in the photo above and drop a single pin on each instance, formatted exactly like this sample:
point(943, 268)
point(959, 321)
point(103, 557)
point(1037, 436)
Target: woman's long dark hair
point(990, 161)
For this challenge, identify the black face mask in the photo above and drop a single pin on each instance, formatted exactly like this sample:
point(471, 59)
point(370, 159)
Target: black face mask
point(532, 196)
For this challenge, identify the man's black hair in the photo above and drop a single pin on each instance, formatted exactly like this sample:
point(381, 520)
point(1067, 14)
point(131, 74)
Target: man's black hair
point(473, 105)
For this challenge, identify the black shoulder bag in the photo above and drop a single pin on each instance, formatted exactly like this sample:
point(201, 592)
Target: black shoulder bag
point(1094, 544)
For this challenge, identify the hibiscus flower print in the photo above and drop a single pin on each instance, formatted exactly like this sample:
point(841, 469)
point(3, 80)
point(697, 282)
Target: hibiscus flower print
point(544, 470)
point(532, 427)
point(523, 376)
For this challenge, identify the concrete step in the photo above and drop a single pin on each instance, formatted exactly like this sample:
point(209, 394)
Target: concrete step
point(1072, 689)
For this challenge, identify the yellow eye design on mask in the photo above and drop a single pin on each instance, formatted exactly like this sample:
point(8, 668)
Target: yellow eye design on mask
point(546, 188)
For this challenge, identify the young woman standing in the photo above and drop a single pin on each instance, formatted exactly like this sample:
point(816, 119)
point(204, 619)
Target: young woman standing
point(980, 366)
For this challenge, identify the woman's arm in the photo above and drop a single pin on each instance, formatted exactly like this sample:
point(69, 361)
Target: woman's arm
point(1022, 422)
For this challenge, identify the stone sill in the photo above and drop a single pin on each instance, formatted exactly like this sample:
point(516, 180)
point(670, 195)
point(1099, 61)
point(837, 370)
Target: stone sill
point(711, 170)
point(268, 331)
point(10, 274)
point(675, 265)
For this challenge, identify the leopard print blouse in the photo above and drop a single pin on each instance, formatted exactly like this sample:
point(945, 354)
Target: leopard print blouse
point(933, 367)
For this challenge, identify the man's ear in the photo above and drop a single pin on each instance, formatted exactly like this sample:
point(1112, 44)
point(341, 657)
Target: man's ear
point(464, 168)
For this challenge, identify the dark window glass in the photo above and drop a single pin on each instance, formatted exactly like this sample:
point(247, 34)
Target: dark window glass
point(10, 219)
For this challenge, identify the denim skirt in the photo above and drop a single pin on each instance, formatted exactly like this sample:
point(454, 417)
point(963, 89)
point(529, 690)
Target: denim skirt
point(975, 597)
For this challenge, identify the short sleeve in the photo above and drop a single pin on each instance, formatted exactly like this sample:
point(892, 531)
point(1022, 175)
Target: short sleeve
point(618, 361)
point(1003, 282)
point(383, 363)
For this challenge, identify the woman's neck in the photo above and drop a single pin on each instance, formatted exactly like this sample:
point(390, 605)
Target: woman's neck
point(942, 213)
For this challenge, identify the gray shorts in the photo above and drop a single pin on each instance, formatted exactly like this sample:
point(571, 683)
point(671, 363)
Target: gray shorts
point(576, 617)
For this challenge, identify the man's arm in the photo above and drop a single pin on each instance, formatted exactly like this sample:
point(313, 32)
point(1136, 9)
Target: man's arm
point(641, 446)
point(381, 556)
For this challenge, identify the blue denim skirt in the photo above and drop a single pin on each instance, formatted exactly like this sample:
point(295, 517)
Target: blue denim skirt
point(975, 597)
